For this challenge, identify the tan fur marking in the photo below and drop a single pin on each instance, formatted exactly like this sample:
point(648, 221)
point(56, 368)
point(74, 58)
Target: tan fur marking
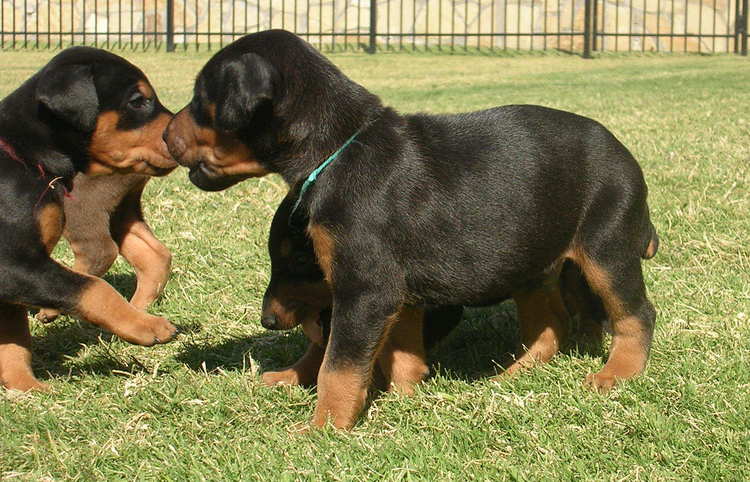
point(543, 321)
point(51, 222)
point(146, 89)
point(15, 351)
point(293, 304)
point(629, 352)
point(342, 394)
point(139, 150)
point(324, 244)
point(402, 358)
point(651, 249)
point(102, 305)
point(627, 357)
point(600, 282)
point(150, 259)
point(221, 152)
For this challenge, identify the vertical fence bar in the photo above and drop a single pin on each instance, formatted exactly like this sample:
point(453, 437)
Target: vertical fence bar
point(373, 26)
point(743, 26)
point(170, 25)
point(587, 21)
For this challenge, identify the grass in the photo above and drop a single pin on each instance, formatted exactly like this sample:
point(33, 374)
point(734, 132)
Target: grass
point(195, 409)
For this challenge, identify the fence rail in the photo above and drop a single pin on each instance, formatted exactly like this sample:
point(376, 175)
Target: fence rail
point(384, 25)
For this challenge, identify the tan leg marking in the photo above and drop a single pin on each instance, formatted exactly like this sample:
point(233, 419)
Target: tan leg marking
point(51, 221)
point(151, 260)
point(402, 359)
point(342, 394)
point(543, 322)
point(15, 351)
point(629, 350)
point(103, 306)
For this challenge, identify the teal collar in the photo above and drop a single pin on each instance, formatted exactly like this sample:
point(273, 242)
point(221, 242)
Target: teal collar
point(314, 175)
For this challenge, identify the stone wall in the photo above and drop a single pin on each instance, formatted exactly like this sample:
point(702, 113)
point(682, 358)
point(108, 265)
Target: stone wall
point(145, 22)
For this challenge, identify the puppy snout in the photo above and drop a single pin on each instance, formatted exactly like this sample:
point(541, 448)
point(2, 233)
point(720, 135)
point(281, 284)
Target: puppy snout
point(269, 322)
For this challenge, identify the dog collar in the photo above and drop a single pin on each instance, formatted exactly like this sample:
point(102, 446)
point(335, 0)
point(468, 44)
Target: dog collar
point(8, 149)
point(314, 175)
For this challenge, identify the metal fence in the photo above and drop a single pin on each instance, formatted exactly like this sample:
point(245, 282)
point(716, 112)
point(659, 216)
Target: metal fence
point(384, 25)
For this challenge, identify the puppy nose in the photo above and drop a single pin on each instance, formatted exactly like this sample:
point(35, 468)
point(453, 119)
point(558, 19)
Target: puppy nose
point(269, 322)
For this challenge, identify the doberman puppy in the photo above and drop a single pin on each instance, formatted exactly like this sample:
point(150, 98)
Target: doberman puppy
point(105, 219)
point(416, 210)
point(87, 111)
point(297, 293)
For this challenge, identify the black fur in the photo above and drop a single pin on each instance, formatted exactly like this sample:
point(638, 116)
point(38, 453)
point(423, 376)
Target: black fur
point(463, 209)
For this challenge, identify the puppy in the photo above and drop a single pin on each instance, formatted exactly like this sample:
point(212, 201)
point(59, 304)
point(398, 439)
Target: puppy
point(105, 219)
point(298, 294)
point(87, 111)
point(416, 210)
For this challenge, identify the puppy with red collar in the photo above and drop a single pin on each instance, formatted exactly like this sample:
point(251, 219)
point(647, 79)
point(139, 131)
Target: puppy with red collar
point(87, 111)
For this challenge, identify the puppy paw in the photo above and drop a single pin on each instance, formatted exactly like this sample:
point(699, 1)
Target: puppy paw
point(283, 377)
point(151, 331)
point(28, 384)
point(601, 382)
point(47, 315)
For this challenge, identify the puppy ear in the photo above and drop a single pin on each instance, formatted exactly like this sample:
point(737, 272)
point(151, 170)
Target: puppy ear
point(68, 91)
point(246, 83)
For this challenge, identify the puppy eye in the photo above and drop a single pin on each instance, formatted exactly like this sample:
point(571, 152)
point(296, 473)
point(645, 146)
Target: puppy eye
point(138, 101)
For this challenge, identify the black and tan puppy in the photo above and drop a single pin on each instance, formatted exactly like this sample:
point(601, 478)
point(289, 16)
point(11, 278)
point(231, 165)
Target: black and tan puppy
point(297, 293)
point(87, 111)
point(420, 210)
point(103, 219)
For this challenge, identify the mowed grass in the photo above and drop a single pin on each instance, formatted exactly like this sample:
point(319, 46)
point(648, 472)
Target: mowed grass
point(195, 408)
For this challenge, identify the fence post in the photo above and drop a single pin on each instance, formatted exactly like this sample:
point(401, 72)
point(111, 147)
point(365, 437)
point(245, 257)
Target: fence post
point(170, 25)
point(587, 30)
point(373, 26)
point(743, 27)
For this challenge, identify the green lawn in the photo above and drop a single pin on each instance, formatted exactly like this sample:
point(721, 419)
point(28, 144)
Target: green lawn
point(195, 408)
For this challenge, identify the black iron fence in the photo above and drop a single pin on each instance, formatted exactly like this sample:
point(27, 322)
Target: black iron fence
point(384, 25)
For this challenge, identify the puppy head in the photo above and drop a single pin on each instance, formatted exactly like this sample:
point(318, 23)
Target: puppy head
point(104, 110)
point(297, 292)
point(268, 102)
point(232, 96)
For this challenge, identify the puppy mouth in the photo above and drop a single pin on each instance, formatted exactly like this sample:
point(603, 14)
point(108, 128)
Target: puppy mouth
point(207, 179)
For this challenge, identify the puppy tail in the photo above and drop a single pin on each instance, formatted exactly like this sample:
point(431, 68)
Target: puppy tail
point(651, 242)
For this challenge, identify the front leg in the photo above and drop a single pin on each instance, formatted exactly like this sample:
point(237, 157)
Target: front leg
point(359, 327)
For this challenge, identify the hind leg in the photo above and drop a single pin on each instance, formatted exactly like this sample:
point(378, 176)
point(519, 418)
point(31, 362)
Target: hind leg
point(619, 284)
point(543, 322)
point(15, 350)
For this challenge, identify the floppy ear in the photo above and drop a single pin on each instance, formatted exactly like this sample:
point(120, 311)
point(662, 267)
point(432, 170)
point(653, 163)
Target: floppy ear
point(68, 91)
point(246, 83)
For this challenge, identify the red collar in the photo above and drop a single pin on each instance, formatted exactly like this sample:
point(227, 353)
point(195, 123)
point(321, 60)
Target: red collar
point(8, 149)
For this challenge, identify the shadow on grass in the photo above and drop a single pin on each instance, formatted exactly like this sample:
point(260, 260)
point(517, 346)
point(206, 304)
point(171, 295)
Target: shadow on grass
point(65, 337)
point(478, 347)
point(485, 338)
